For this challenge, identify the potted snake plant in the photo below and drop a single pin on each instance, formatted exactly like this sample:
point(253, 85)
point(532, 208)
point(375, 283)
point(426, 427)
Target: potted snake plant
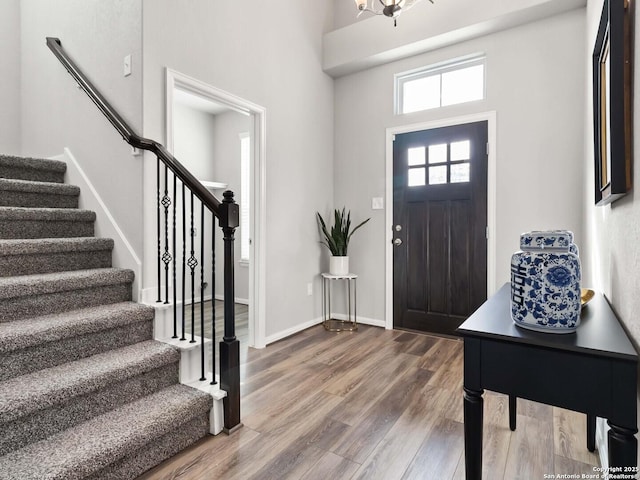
point(337, 240)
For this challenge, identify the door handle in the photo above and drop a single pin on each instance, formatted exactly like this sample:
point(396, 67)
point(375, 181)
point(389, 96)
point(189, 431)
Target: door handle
point(397, 242)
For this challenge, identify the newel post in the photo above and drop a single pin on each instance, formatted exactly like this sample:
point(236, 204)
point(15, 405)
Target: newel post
point(230, 346)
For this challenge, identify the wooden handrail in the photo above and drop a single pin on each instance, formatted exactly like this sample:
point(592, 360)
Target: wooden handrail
point(129, 136)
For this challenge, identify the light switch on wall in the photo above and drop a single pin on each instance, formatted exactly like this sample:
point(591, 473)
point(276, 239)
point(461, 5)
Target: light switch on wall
point(127, 65)
point(377, 203)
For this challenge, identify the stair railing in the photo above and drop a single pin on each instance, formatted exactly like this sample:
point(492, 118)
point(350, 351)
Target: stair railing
point(227, 213)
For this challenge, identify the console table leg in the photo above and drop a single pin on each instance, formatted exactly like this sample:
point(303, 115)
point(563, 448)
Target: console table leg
point(473, 406)
point(512, 412)
point(623, 447)
point(591, 432)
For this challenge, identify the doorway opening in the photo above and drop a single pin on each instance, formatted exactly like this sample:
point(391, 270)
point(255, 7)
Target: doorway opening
point(220, 138)
point(441, 221)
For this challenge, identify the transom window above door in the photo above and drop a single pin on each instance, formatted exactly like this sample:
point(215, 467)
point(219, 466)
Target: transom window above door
point(439, 163)
point(435, 86)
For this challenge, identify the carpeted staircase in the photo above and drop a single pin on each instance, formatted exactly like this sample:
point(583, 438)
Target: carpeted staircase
point(85, 391)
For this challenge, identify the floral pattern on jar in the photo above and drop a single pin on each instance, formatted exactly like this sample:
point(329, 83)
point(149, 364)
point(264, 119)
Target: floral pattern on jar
point(545, 283)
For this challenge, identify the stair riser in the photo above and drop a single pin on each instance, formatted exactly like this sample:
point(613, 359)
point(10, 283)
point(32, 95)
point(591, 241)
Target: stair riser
point(41, 424)
point(27, 264)
point(23, 307)
point(24, 361)
point(37, 200)
point(36, 175)
point(155, 452)
point(12, 229)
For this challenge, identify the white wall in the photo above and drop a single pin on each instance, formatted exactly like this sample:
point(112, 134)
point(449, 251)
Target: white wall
point(226, 169)
point(373, 40)
point(346, 12)
point(612, 252)
point(193, 140)
point(10, 74)
point(209, 146)
point(193, 146)
point(270, 54)
point(56, 114)
point(535, 83)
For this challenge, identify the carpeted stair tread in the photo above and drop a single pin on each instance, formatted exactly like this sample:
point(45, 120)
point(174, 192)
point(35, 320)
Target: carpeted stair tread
point(30, 285)
point(50, 328)
point(37, 169)
point(27, 193)
point(155, 452)
point(39, 390)
point(53, 245)
point(42, 222)
point(46, 255)
point(46, 214)
point(31, 186)
point(87, 448)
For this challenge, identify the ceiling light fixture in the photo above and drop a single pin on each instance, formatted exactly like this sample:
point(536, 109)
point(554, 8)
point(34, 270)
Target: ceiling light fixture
point(390, 8)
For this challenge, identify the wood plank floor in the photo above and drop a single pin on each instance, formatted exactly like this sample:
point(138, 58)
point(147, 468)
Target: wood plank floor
point(242, 319)
point(241, 323)
point(374, 404)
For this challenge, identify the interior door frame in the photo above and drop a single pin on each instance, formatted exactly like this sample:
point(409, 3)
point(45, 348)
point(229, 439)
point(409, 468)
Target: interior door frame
point(391, 132)
point(257, 265)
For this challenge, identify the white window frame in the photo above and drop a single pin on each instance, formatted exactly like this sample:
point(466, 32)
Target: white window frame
point(245, 199)
point(399, 79)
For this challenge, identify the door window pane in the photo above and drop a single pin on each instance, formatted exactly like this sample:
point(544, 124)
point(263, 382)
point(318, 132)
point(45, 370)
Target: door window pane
point(416, 177)
point(416, 156)
point(460, 150)
point(437, 175)
point(460, 172)
point(438, 153)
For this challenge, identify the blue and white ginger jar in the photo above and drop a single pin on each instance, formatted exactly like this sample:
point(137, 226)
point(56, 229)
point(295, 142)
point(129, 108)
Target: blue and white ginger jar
point(545, 282)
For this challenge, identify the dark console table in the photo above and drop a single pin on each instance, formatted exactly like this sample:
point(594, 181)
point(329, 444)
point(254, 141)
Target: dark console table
point(593, 371)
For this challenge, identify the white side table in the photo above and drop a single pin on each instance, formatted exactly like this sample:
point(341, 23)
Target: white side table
point(332, 324)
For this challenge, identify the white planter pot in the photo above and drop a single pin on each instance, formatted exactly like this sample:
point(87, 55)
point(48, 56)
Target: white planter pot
point(339, 265)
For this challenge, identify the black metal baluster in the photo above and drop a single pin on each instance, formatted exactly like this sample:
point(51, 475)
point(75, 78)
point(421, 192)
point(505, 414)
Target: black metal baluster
point(158, 226)
point(213, 299)
point(230, 346)
point(203, 376)
point(166, 256)
point(193, 263)
point(175, 286)
point(184, 260)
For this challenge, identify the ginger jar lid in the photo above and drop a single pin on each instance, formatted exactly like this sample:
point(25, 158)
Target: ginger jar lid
point(546, 239)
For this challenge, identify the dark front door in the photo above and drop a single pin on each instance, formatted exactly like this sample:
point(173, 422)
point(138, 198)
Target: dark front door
point(439, 226)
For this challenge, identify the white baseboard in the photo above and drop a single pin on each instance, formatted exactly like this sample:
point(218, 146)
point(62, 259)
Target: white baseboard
point(292, 331)
point(316, 321)
point(149, 295)
point(124, 256)
point(363, 320)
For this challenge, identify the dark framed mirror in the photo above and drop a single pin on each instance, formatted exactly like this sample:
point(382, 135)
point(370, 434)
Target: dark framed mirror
point(612, 103)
